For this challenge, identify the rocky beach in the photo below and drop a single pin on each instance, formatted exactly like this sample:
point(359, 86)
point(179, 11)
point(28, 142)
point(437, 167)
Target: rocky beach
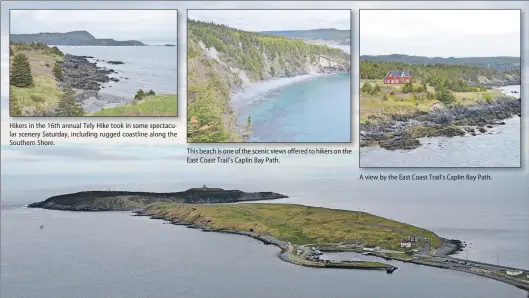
point(88, 79)
point(403, 131)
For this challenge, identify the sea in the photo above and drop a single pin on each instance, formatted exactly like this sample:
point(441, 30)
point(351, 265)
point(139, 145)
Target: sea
point(311, 108)
point(499, 147)
point(113, 254)
point(145, 67)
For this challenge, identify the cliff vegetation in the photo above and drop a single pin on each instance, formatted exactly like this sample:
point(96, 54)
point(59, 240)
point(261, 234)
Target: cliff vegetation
point(223, 60)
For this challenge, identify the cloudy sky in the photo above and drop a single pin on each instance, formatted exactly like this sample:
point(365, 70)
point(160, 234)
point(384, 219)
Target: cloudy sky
point(269, 20)
point(440, 33)
point(148, 26)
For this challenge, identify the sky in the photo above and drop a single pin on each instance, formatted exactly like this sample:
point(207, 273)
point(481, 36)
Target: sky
point(272, 20)
point(148, 26)
point(440, 33)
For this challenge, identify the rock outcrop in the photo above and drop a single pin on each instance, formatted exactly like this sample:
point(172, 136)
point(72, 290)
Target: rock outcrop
point(402, 131)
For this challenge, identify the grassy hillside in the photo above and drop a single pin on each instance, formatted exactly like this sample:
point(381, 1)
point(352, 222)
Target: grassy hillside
point(498, 63)
point(153, 105)
point(222, 59)
point(297, 224)
point(43, 96)
point(433, 86)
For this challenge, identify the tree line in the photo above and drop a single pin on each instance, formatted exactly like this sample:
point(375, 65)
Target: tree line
point(451, 77)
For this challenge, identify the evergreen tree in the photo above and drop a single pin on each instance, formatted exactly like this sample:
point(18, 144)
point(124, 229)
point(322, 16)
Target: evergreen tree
point(151, 92)
point(14, 105)
point(139, 95)
point(21, 72)
point(57, 71)
point(68, 105)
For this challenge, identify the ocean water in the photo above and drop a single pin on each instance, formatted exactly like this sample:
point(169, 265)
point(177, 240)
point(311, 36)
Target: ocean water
point(111, 254)
point(307, 109)
point(500, 147)
point(147, 68)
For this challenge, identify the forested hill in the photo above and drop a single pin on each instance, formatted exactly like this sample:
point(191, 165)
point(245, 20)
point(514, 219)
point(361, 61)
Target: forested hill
point(73, 38)
point(434, 73)
point(499, 63)
point(314, 34)
point(222, 59)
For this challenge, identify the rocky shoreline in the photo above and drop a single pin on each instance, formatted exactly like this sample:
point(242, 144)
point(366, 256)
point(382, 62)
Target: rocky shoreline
point(403, 131)
point(87, 79)
point(287, 250)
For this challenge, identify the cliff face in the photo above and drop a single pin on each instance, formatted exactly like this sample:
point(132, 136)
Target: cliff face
point(125, 200)
point(223, 60)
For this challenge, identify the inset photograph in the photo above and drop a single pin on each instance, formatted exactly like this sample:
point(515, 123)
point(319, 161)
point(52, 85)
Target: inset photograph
point(269, 76)
point(441, 91)
point(72, 63)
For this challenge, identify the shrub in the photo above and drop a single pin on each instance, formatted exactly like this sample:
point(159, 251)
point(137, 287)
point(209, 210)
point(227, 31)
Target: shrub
point(444, 95)
point(367, 88)
point(151, 92)
point(21, 72)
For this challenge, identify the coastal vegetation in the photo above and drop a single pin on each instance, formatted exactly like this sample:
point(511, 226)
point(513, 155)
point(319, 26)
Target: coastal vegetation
point(297, 224)
point(223, 60)
point(146, 105)
point(445, 97)
point(33, 87)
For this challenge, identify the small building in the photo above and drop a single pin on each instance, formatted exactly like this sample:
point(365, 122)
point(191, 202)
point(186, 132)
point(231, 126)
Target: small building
point(397, 77)
point(514, 273)
point(405, 243)
point(413, 238)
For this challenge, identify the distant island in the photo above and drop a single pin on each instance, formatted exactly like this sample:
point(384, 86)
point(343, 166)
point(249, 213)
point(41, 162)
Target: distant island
point(330, 34)
point(128, 200)
point(72, 38)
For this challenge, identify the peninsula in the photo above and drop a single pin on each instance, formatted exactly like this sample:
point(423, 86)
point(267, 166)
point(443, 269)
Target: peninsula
point(72, 38)
point(223, 61)
point(303, 233)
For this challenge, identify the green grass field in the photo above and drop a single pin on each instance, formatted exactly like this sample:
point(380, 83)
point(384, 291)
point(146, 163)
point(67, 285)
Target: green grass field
point(154, 105)
point(392, 101)
point(297, 224)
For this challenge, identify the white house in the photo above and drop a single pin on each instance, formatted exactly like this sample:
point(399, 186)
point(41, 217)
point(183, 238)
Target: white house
point(405, 243)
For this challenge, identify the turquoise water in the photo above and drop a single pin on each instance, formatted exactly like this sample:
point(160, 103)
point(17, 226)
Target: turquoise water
point(317, 109)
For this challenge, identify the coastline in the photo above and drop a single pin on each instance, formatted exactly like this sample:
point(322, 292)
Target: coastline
point(438, 260)
point(286, 252)
point(404, 131)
